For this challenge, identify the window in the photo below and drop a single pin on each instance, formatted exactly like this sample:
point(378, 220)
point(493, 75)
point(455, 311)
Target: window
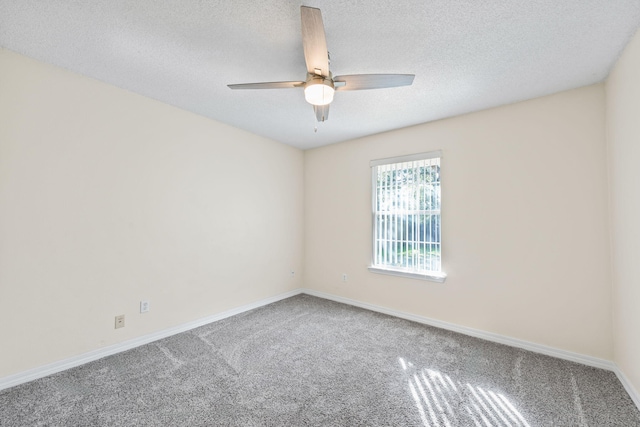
point(406, 216)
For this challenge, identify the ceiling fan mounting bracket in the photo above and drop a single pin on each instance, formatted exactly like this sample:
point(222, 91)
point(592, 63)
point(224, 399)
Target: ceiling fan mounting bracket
point(319, 78)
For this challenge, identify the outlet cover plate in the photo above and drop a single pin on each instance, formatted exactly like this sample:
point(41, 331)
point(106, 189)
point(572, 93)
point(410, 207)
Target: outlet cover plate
point(144, 306)
point(120, 321)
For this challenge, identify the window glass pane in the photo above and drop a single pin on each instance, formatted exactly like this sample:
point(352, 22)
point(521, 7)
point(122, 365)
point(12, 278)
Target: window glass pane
point(407, 215)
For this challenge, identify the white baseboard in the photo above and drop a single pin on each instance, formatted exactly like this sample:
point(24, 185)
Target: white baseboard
point(633, 393)
point(52, 368)
point(489, 336)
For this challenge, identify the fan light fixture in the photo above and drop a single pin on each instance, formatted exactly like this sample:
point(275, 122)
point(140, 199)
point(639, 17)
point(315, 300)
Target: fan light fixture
point(319, 91)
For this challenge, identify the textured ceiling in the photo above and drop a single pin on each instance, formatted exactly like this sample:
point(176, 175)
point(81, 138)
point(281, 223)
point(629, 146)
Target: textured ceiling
point(466, 55)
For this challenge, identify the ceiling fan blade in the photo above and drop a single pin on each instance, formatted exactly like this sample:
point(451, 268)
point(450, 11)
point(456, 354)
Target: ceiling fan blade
point(266, 85)
point(322, 112)
point(372, 81)
point(314, 41)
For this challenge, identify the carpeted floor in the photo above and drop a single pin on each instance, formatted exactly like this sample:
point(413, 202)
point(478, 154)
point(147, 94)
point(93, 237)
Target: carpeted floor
point(306, 361)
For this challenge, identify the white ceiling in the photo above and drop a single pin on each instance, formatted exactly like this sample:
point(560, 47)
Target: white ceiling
point(466, 55)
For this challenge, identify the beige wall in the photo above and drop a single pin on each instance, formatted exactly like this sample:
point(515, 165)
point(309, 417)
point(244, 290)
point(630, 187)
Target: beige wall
point(623, 138)
point(107, 197)
point(525, 222)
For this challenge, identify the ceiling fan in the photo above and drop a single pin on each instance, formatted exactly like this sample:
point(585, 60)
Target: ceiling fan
point(320, 84)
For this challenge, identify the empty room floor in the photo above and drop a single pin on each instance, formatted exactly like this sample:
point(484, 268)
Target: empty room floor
point(309, 361)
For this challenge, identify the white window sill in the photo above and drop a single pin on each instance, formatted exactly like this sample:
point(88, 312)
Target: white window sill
point(432, 276)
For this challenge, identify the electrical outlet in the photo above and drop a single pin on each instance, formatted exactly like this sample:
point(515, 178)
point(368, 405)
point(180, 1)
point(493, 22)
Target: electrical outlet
point(120, 321)
point(144, 306)
point(344, 277)
point(293, 274)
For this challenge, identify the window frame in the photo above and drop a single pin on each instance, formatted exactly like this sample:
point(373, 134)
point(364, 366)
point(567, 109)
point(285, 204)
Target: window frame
point(435, 276)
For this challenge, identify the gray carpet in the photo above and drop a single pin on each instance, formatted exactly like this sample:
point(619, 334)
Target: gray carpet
point(308, 361)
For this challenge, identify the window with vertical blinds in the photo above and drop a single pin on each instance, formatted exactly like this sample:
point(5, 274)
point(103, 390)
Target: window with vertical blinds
point(407, 238)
